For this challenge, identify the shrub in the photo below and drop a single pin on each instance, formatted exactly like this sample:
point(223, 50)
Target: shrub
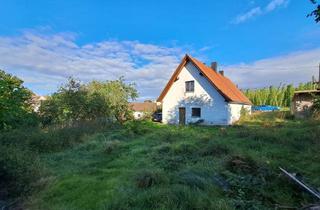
point(51, 140)
point(316, 107)
point(19, 169)
point(138, 127)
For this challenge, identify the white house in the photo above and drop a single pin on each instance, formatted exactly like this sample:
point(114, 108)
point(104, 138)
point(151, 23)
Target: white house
point(198, 93)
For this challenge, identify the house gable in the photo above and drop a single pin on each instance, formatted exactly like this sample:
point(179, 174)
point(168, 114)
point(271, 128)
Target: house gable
point(222, 84)
point(214, 107)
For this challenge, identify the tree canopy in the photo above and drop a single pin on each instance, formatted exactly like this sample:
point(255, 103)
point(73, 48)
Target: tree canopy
point(15, 102)
point(75, 101)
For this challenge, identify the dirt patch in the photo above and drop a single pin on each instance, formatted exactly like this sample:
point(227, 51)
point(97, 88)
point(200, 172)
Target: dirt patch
point(241, 164)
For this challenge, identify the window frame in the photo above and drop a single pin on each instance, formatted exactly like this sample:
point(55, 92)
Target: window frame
point(187, 87)
point(192, 112)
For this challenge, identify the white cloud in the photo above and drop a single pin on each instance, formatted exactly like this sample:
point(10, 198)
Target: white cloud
point(244, 17)
point(275, 4)
point(44, 61)
point(257, 11)
point(293, 68)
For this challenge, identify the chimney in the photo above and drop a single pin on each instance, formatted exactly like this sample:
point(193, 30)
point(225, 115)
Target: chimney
point(222, 73)
point(214, 66)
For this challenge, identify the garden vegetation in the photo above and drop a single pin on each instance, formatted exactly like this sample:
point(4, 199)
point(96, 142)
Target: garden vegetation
point(83, 151)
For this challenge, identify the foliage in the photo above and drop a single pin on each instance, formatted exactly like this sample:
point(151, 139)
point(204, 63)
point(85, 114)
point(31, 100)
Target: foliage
point(15, 103)
point(168, 167)
point(316, 12)
point(316, 106)
point(77, 102)
point(244, 113)
point(19, 169)
point(68, 104)
point(115, 95)
point(276, 96)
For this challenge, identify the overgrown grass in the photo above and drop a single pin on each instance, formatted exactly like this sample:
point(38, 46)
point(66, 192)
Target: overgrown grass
point(142, 165)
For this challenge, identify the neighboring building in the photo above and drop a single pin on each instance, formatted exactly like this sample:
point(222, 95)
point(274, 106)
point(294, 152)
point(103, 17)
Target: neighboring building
point(143, 108)
point(198, 93)
point(36, 101)
point(302, 102)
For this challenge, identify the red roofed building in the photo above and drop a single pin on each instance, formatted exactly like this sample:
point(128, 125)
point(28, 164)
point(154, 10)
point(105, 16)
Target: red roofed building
point(198, 93)
point(140, 109)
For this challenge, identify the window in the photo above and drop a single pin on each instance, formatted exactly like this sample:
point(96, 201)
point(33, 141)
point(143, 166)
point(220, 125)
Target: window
point(189, 86)
point(196, 112)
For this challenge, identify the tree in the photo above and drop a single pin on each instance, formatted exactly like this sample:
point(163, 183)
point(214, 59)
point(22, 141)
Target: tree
point(316, 12)
point(15, 103)
point(277, 96)
point(67, 105)
point(116, 95)
point(75, 102)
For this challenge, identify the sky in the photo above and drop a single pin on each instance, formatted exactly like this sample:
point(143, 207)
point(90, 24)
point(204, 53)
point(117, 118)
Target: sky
point(257, 43)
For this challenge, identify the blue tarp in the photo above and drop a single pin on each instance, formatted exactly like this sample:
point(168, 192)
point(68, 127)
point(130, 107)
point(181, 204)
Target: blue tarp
point(265, 108)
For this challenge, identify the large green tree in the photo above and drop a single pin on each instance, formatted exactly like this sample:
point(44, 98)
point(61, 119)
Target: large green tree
point(15, 103)
point(66, 105)
point(115, 95)
point(76, 102)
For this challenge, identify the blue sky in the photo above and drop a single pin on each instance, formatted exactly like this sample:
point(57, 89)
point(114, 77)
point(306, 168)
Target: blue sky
point(257, 42)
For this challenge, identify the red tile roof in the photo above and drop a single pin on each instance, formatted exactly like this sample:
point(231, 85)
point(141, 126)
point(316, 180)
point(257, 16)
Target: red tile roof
point(224, 85)
point(143, 107)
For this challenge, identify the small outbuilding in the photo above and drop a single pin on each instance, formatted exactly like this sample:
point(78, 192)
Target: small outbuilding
point(141, 109)
point(302, 101)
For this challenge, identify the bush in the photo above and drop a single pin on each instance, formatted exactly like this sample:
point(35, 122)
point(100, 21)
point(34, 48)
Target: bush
point(19, 170)
point(138, 127)
point(53, 139)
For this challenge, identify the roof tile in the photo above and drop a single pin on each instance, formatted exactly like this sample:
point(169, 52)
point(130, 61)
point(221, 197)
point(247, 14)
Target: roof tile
point(224, 85)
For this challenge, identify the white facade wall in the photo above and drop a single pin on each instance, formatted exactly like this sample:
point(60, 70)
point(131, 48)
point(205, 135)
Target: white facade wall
point(138, 115)
point(215, 110)
point(235, 112)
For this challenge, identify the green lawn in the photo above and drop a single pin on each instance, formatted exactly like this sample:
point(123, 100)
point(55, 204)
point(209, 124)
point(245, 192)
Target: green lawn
point(145, 165)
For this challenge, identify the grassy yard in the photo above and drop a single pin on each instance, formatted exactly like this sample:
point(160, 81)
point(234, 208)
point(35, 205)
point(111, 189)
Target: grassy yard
point(145, 165)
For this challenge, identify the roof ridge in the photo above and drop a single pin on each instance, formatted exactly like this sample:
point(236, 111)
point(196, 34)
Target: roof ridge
point(223, 84)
